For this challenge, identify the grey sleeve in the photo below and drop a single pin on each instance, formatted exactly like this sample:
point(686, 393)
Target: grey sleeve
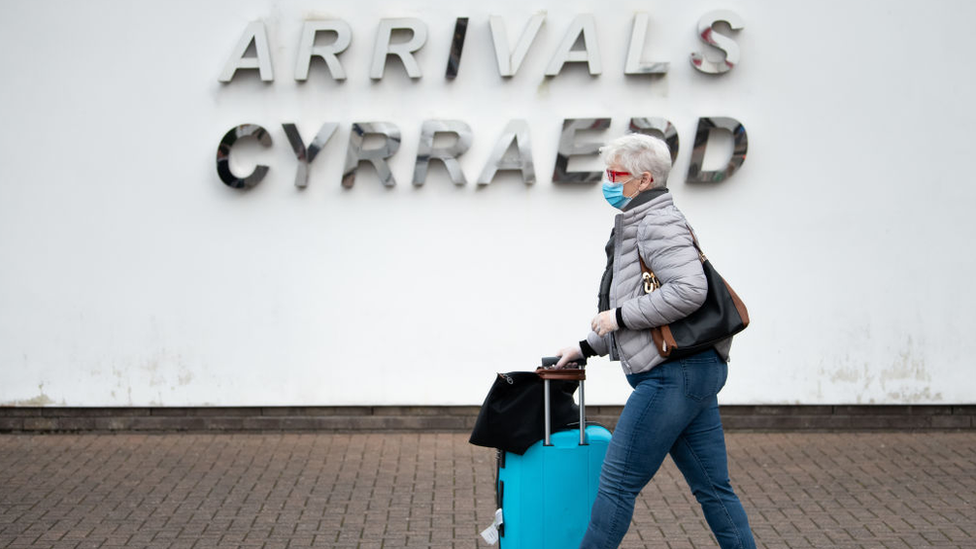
point(667, 247)
point(600, 345)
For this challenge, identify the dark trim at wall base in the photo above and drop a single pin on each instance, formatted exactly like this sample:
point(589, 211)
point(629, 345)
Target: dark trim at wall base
point(458, 418)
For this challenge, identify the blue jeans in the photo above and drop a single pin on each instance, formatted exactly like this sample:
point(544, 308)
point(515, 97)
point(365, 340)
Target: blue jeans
point(673, 409)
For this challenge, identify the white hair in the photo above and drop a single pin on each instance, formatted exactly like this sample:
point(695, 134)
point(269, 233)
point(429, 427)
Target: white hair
point(640, 153)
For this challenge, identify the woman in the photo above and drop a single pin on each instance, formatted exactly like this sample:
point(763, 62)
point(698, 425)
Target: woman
point(673, 408)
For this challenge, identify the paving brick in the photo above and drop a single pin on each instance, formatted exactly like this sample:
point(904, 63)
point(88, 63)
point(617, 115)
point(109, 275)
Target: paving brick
point(11, 424)
point(221, 411)
point(895, 422)
point(77, 423)
point(285, 423)
point(163, 423)
point(954, 421)
point(92, 412)
point(173, 412)
point(408, 410)
point(113, 423)
point(888, 410)
point(14, 411)
point(317, 411)
point(604, 410)
point(223, 423)
point(426, 411)
point(41, 423)
point(781, 410)
point(785, 422)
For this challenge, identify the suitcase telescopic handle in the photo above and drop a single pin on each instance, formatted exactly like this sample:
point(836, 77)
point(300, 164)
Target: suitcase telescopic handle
point(574, 373)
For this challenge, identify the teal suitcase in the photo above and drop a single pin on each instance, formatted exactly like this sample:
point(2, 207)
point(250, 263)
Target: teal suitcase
point(545, 495)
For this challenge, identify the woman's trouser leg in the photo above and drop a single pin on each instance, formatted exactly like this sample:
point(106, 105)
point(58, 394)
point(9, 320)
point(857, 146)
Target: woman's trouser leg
point(645, 432)
point(673, 409)
point(700, 455)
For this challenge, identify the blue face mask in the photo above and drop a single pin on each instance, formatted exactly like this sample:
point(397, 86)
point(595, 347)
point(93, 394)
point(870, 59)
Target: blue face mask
point(614, 193)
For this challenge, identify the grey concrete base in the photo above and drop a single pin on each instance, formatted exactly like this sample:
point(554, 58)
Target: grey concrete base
point(457, 418)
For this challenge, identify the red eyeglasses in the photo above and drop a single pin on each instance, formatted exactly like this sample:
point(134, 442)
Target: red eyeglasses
point(616, 177)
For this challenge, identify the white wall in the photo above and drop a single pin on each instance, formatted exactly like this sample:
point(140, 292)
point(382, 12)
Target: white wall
point(130, 275)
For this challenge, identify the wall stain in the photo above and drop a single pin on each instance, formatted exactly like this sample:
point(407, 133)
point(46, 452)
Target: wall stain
point(849, 375)
point(923, 394)
point(40, 400)
point(161, 374)
point(185, 377)
point(853, 375)
point(905, 381)
point(907, 367)
point(155, 380)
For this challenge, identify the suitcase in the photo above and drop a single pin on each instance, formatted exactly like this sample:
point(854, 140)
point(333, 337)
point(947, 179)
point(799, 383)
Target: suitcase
point(545, 495)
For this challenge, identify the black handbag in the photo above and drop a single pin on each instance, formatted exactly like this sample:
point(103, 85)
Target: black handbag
point(720, 317)
point(512, 416)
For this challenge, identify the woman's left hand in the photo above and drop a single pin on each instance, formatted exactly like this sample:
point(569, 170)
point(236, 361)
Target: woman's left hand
point(605, 322)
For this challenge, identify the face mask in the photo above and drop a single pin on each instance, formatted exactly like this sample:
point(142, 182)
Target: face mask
point(614, 193)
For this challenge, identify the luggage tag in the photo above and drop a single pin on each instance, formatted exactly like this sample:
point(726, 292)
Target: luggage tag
point(490, 534)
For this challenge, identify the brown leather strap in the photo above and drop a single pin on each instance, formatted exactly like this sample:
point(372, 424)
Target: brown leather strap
point(694, 239)
point(663, 340)
point(571, 374)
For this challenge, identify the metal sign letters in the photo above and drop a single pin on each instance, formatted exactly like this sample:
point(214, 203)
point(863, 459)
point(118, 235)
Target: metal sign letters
point(512, 150)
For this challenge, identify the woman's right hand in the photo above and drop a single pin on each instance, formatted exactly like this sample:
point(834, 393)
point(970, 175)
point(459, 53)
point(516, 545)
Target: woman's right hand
point(569, 354)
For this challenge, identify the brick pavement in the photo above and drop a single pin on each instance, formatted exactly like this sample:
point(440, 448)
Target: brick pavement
point(405, 490)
